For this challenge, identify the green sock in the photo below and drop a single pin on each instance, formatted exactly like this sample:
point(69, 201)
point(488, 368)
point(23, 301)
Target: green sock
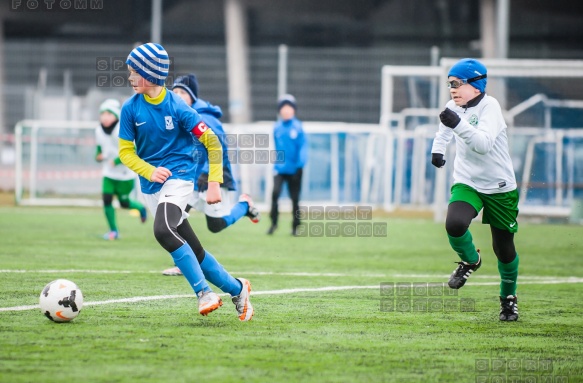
point(135, 205)
point(110, 215)
point(464, 247)
point(508, 276)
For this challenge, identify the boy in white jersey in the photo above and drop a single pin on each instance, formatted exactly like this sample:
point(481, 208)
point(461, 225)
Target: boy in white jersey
point(483, 178)
point(117, 180)
point(156, 141)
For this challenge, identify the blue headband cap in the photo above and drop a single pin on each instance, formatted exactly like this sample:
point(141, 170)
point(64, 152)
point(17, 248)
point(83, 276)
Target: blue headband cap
point(470, 68)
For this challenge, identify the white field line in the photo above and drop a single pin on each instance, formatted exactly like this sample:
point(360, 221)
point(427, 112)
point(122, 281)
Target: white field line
point(570, 280)
point(297, 274)
point(294, 274)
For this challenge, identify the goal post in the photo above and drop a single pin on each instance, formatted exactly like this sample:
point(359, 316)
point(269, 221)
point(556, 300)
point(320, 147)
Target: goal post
point(543, 108)
point(55, 163)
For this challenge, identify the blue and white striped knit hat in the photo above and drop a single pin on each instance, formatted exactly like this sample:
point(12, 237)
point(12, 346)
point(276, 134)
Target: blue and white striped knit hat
point(151, 62)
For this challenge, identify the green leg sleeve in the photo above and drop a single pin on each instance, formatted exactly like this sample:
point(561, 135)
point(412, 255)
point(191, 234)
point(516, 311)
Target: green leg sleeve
point(135, 204)
point(110, 215)
point(508, 276)
point(464, 247)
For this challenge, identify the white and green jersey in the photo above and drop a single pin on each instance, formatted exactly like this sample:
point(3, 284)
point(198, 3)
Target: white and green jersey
point(109, 144)
point(482, 158)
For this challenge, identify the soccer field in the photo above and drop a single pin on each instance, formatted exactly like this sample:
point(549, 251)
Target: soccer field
point(321, 314)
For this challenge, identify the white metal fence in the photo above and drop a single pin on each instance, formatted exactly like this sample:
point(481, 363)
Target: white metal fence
point(383, 165)
point(349, 164)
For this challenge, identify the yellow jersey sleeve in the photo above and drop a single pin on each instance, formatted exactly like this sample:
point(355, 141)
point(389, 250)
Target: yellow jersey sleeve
point(128, 156)
point(215, 152)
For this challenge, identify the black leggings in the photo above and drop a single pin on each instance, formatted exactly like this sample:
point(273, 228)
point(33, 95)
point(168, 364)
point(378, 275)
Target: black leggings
point(294, 185)
point(214, 224)
point(459, 217)
point(108, 200)
point(171, 236)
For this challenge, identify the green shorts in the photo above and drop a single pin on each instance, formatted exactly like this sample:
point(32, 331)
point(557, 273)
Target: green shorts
point(500, 209)
point(121, 189)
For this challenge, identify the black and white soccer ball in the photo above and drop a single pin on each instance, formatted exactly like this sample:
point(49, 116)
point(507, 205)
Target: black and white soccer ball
point(61, 300)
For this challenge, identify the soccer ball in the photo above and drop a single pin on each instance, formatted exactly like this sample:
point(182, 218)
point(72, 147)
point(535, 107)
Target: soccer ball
point(61, 300)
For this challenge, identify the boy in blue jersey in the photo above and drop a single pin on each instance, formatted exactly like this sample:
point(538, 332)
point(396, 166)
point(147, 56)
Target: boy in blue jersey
point(156, 141)
point(290, 139)
point(221, 215)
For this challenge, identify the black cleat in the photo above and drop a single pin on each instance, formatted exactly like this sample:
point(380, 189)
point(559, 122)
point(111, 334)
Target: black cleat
point(252, 211)
point(461, 274)
point(253, 214)
point(509, 308)
point(272, 229)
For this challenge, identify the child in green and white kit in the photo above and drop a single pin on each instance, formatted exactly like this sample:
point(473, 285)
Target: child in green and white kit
point(118, 180)
point(483, 178)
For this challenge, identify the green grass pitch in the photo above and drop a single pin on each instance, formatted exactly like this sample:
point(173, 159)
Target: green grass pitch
point(306, 328)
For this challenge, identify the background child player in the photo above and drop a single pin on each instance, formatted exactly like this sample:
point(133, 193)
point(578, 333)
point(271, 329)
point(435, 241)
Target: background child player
point(221, 215)
point(117, 180)
point(289, 138)
point(162, 125)
point(483, 178)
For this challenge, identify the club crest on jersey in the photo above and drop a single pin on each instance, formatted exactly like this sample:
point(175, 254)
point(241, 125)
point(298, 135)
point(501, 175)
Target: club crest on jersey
point(169, 122)
point(473, 120)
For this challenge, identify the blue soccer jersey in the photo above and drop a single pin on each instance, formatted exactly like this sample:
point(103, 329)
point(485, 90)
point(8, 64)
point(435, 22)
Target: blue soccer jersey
point(162, 135)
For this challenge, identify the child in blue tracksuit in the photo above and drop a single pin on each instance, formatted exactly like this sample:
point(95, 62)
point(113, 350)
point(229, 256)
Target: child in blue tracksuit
point(289, 139)
point(221, 215)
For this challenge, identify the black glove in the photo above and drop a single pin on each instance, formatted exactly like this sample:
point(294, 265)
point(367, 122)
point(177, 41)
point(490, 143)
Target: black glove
point(202, 182)
point(437, 160)
point(449, 118)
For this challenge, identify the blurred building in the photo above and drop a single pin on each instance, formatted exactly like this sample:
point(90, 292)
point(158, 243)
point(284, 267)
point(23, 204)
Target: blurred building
point(61, 58)
point(336, 48)
point(537, 27)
